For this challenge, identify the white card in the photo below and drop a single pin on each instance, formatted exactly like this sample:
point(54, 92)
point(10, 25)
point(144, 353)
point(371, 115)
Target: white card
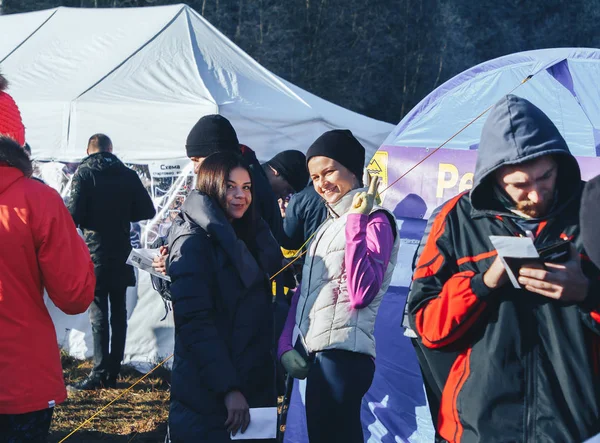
point(142, 259)
point(516, 247)
point(263, 425)
point(514, 251)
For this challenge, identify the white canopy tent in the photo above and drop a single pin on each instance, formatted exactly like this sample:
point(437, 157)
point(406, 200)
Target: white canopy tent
point(144, 76)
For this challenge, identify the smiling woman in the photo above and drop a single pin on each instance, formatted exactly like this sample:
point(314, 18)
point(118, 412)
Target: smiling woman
point(226, 178)
point(335, 164)
point(331, 179)
point(220, 260)
point(348, 268)
point(239, 193)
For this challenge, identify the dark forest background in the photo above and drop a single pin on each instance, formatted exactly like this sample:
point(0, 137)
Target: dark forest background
point(379, 57)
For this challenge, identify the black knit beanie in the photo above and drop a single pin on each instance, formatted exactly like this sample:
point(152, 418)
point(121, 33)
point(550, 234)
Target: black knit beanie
point(212, 133)
point(291, 165)
point(341, 146)
point(589, 219)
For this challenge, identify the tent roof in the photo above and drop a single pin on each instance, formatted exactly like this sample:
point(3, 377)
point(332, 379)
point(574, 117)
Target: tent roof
point(564, 84)
point(144, 76)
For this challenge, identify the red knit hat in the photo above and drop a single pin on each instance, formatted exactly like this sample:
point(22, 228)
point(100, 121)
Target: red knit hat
point(10, 117)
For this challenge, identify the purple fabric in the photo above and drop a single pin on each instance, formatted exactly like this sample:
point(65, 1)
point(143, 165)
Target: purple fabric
point(561, 73)
point(285, 339)
point(419, 193)
point(369, 243)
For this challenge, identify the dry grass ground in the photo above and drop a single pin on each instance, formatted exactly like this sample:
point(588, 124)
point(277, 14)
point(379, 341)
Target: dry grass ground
point(140, 416)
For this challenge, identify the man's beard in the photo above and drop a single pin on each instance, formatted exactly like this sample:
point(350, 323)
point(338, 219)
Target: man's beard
point(534, 210)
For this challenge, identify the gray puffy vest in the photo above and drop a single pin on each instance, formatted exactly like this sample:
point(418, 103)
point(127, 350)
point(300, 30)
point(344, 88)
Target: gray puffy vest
point(324, 317)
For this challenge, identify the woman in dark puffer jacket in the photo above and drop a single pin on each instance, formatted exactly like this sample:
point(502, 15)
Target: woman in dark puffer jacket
point(220, 261)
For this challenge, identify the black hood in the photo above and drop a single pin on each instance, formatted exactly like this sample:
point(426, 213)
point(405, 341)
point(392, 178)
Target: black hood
point(516, 131)
point(101, 161)
point(205, 212)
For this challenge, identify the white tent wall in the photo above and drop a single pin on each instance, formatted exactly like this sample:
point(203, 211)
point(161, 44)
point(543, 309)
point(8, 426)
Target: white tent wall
point(15, 32)
point(144, 76)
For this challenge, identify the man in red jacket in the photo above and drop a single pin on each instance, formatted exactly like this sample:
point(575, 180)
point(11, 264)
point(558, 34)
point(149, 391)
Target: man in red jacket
point(40, 248)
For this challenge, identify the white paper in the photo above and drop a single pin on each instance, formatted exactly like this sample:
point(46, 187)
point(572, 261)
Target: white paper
point(142, 259)
point(513, 247)
point(263, 425)
point(517, 247)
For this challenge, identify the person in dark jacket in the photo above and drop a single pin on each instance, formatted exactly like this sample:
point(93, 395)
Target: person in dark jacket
point(590, 217)
point(106, 197)
point(287, 173)
point(214, 133)
point(305, 212)
point(266, 199)
point(221, 257)
point(524, 362)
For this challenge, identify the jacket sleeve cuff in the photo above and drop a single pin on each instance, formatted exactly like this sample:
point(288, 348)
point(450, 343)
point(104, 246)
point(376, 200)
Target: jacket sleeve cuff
point(479, 288)
point(228, 384)
point(283, 349)
point(592, 301)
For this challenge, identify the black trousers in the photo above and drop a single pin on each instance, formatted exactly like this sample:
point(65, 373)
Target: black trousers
point(335, 387)
point(31, 427)
point(109, 348)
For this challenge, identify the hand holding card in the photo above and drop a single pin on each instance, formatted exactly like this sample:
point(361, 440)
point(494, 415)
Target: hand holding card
point(564, 281)
point(513, 253)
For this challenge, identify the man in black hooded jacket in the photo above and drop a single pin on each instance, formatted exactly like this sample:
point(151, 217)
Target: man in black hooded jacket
point(106, 197)
point(519, 365)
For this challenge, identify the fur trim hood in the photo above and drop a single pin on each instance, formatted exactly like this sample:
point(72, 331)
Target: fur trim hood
point(11, 154)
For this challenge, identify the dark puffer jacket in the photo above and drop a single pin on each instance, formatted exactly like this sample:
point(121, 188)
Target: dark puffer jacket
point(266, 202)
point(106, 196)
point(305, 212)
point(223, 312)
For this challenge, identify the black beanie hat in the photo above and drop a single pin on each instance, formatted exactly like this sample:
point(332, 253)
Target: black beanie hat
point(341, 146)
point(589, 219)
point(212, 133)
point(291, 165)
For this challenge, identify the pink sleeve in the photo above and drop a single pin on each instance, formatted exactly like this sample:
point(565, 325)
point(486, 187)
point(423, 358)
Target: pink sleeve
point(369, 243)
point(285, 340)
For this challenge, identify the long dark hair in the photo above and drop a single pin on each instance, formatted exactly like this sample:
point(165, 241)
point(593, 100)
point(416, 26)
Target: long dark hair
point(212, 181)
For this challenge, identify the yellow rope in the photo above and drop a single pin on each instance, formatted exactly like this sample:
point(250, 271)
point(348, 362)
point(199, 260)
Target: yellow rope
point(118, 397)
point(299, 255)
